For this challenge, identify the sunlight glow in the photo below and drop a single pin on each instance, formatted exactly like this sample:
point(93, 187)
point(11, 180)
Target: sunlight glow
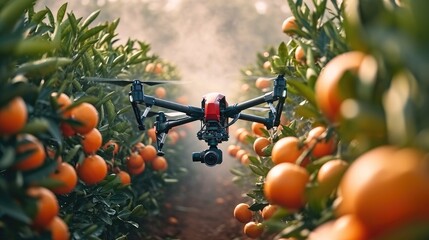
point(261, 7)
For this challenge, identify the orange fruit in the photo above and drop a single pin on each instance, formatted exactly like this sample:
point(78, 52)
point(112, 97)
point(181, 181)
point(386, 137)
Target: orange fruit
point(328, 92)
point(268, 211)
point(240, 154)
point(182, 100)
point(300, 54)
point(67, 176)
point(138, 146)
point(154, 68)
point(245, 160)
point(151, 133)
point(13, 116)
point(148, 153)
point(159, 164)
point(243, 137)
point(260, 144)
point(347, 227)
point(173, 137)
point(386, 188)
point(286, 149)
point(238, 132)
point(137, 171)
point(63, 101)
point(124, 177)
point(111, 145)
point(134, 160)
point(242, 213)
point(160, 92)
point(233, 149)
point(257, 128)
point(253, 229)
point(262, 83)
point(331, 172)
point(87, 115)
point(47, 206)
point(267, 65)
point(92, 170)
point(35, 159)
point(285, 185)
point(322, 146)
point(91, 141)
point(289, 25)
point(59, 229)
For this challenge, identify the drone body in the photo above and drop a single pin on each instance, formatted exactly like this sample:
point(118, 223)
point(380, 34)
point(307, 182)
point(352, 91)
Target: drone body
point(214, 114)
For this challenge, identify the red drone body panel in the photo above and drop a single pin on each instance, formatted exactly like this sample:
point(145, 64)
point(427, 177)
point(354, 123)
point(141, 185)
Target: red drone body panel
point(212, 103)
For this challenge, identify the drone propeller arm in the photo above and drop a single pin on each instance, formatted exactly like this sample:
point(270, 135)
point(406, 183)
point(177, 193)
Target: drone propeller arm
point(252, 118)
point(233, 110)
point(189, 110)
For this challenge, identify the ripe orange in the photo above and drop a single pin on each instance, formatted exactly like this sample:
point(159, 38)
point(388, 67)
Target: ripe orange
point(387, 188)
point(328, 93)
point(289, 25)
point(238, 132)
point(245, 160)
point(260, 144)
point(322, 146)
point(286, 149)
point(243, 137)
point(148, 153)
point(331, 172)
point(65, 174)
point(253, 229)
point(154, 68)
point(63, 101)
point(262, 83)
point(91, 141)
point(124, 177)
point(134, 160)
point(173, 137)
point(267, 65)
point(13, 116)
point(59, 229)
point(233, 149)
point(159, 164)
point(151, 133)
point(92, 170)
point(300, 54)
point(240, 154)
point(242, 213)
point(160, 92)
point(35, 159)
point(111, 145)
point(136, 171)
point(285, 185)
point(87, 115)
point(138, 146)
point(347, 227)
point(47, 206)
point(268, 211)
point(257, 128)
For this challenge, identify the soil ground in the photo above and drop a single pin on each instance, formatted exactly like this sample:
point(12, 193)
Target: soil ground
point(201, 205)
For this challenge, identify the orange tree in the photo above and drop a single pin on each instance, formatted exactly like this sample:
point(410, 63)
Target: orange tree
point(351, 163)
point(62, 134)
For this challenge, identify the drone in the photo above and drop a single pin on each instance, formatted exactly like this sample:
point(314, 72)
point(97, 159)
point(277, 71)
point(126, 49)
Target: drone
point(215, 114)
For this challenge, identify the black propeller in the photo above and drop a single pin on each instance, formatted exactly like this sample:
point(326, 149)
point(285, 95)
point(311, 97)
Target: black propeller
point(125, 82)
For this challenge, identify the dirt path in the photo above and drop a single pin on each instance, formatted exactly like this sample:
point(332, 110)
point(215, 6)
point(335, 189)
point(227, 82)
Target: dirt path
point(202, 204)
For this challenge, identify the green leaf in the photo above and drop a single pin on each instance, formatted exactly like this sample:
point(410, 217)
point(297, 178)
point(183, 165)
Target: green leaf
point(304, 90)
point(50, 17)
point(90, 19)
point(61, 12)
point(257, 206)
point(39, 16)
point(283, 52)
point(256, 170)
point(12, 13)
point(91, 32)
point(10, 207)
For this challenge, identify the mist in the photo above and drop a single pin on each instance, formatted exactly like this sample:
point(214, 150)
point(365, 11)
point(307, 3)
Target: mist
point(208, 41)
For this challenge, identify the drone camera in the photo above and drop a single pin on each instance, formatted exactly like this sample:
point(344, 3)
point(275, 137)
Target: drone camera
point(210, 157)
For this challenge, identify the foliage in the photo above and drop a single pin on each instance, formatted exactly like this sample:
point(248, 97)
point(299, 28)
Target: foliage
point(382, 101)
point(44, 52)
